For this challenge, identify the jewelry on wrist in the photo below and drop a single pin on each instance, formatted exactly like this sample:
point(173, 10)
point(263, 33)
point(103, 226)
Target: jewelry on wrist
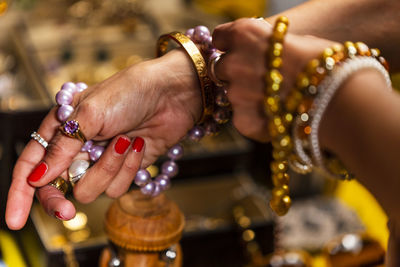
point(310, 84)
point(338, 77)
point(280, 121)
point(214, 101)
point(199, 64)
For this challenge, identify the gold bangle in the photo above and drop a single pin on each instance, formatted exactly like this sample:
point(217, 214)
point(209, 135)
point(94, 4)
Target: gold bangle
point(60, 184)
point(199, 64)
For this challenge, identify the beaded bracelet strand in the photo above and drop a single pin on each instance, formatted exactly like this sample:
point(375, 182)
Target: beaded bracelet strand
point(280, 121)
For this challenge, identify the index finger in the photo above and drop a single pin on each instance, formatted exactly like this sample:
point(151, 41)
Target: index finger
point(222, 36)
point(21, 194)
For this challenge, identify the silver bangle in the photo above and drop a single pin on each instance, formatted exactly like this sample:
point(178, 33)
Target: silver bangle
point(328, 90)
point(36, 136)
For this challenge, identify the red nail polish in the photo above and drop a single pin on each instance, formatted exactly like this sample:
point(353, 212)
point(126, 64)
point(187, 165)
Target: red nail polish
point(138, 144)
point(38, 172)
point(121, 145)
point(59, 215)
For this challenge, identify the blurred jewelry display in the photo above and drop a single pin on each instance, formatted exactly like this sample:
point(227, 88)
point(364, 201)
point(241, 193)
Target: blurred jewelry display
point(4, 6)
point(7, 78)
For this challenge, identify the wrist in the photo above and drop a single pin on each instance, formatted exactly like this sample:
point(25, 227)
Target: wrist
point(178, 82)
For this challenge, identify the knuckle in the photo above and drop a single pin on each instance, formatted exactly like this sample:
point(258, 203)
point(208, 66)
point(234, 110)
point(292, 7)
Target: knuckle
point(115, 193)
point(56, 148)
point(109, 168)
point(89, 109)
point(130, 167)
point(83, 196)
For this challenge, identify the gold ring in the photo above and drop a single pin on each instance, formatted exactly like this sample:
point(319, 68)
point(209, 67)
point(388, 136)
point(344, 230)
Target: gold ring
point(61, 184)
point(199, 64)
point(71, 128)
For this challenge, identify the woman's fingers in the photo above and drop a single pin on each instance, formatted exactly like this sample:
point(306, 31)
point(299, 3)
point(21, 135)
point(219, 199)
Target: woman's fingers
point(20, 194)
point(62, 148)
point(222, 37)
point(101, 174)
point(54, 203)
point(126, 174)
point(242, 33)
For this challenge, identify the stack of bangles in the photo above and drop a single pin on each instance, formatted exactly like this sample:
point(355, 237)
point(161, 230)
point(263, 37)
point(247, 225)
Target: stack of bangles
point(197, 43)
point(295, 122)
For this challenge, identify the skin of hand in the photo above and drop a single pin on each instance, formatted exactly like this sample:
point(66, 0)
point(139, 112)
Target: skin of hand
point(158, 100)
point(243, 67)
point(375, 22)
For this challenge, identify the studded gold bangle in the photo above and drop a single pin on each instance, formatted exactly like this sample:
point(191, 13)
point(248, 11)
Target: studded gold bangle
point(280, 121)
point(199, 64)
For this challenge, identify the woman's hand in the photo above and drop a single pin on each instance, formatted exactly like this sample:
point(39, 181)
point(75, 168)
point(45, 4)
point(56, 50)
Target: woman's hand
point(157, 101)
point(244, 65)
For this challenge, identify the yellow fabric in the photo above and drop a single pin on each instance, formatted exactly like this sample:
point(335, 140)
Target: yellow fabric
point(396, 81)
point(233, 8)
point(11, 253)
point(368, 209)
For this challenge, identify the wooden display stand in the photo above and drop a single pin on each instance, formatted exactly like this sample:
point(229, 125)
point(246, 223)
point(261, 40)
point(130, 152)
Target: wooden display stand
point(141, 228)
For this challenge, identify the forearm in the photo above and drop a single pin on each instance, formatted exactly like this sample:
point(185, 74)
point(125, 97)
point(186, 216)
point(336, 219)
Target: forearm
point(375, 22)
point(362, 128)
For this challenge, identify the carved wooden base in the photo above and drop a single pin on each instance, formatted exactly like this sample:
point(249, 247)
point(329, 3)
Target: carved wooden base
point(141, 227)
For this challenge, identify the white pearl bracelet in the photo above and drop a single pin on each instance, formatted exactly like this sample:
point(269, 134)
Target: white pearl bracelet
point(328, 90)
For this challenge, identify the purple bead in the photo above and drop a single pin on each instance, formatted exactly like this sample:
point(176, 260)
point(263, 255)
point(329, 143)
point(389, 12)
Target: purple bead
point(200, 34)
point(221, 99)
point(175, 152)
point(196, 133)
point(63, 112)
point(211, 128)
point(70, 87)
point(81, 87)
point(221, 115)
point(95, 152)
point(71, 126)
point(163, 181)
point(148, 189)
point(157, 190)
point(189, 33)
point(169, 168)
point(87, 146)
point(64, 97)
point(208, 46)
point(142, 177)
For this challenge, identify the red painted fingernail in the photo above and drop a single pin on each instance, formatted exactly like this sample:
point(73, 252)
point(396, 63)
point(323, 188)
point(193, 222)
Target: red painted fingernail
point(138, 144)
point(121, 145)
point(59, 215)
point(38, 172)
